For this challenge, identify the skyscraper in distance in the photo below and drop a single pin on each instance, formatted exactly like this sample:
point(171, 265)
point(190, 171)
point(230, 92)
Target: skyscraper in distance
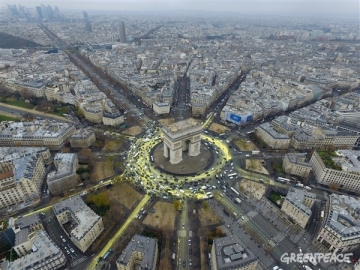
point(122, 32)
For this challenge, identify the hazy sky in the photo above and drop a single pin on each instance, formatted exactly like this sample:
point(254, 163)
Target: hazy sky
point(286, 7)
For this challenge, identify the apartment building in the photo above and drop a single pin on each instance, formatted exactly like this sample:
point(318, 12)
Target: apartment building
point(64, 177)
point(141, 251)
point(112, 119)
point(340, 230)
point(82, 138)
point(294, 163)
point(161, 107)
point(88, 224)
point(43, 254)
point(37, 133)
point(93, 112)
point(342, 170)
point(297, 205)
point(22, 171)
point(230, 253)
point(22, 228)
point(271, 137)
point(322, 138)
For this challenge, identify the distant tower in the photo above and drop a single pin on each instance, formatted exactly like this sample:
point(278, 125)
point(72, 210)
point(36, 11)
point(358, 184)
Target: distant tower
point(122, 32)
point(38, 13)
point(87, 22)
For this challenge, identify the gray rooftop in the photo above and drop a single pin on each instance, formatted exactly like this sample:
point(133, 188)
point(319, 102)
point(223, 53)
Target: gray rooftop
point(297, 196)
point(145, 245)
point(231, 254)
point(43, 249)
point(298, 158)
point(348, 160)
point(80, 212)
point(81, 133)
point(38, 129)
point(344, 216)
point(27, 221)
point(267, 127)
point(64, 163)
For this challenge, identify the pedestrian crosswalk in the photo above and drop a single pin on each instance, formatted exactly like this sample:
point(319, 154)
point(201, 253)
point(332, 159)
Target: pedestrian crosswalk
point(78, 261)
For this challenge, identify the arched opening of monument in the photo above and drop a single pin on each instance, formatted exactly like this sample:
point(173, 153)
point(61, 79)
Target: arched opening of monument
point(186, 146)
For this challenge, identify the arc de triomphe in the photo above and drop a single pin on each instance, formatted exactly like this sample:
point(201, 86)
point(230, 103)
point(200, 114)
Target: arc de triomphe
point(180, 137)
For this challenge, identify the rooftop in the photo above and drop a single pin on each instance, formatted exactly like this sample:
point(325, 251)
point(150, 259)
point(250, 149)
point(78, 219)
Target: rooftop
point(344, 216)
point(272, 132)
point(348, 160)
point(297, 197)
point(43, 249)
point(182, 125)
point(81, 133)
point(145, 245)
point(64, 163)
point(33, 130)
point(231, 253)
point(84, 217)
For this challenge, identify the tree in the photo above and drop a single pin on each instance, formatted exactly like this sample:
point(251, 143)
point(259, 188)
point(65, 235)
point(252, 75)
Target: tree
point(218, 231)
point(205, 204)
point(334, 186)
point(25, 93)
point(330, 148)
point(100, 203)
point(177, 205)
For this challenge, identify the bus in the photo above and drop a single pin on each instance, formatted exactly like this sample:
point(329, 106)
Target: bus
point(107, 254)
point(237, 200)
point(283, 180)
point(235, 191)
point(232, 174)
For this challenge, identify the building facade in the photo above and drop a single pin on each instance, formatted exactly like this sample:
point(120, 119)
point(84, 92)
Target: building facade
point(297, 205)
point(22, 171)
point(112, 119)
point(182, 136)
point(64, 178)
point(271, 137)
point(38, 133)
point(340, 231)
point(348, 178)
point(43, 254)
point(161, 107)
point(142, 251)
point(294, 163)
point(82, 138)
point(88, 224)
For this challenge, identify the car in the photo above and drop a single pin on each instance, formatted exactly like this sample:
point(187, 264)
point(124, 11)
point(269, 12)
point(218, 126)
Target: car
point(63, 240)
point(190, 251)
point(184, 264)
point(300, 250)
point(183, 225)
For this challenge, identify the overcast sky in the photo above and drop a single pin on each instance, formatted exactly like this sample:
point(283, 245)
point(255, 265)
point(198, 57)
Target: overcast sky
point(339, 8)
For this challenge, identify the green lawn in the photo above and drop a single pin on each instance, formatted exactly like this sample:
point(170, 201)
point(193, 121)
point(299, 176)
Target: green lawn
point(277, 167)
point(329, 163)
point(20, 103)
point(275, 197)
point(7, 118)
